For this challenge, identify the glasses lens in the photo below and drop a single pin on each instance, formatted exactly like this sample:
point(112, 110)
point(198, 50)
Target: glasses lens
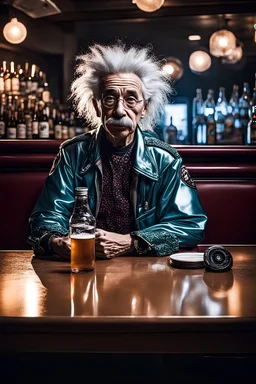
point(111, 101)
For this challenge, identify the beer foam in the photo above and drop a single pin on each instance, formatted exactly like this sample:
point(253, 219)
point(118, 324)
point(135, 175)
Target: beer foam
point(82, 236)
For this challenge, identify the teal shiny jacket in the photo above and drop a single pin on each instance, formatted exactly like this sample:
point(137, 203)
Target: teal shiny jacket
point(166, 205)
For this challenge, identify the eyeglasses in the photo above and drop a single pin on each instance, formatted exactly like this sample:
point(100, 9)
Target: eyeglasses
point(130, 102)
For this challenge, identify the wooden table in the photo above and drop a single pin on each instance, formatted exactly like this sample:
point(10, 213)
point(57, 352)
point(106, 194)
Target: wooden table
point(128, 304)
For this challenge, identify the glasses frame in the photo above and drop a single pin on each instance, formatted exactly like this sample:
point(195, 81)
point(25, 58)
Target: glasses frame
point(117, 100)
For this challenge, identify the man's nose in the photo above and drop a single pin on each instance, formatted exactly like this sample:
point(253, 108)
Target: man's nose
point(119, 107)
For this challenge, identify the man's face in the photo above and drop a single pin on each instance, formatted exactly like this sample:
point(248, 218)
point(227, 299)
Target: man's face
point(122, 107)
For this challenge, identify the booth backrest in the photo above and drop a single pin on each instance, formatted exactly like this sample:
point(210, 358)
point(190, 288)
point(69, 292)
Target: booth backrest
point(230, 207)
point(225, 178)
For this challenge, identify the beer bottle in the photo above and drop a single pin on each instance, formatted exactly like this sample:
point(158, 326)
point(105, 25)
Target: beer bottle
point(209, 137)
point(251, 128)
point(198, 120)
point(82, 233)
point(171, 133)
point(221, 112)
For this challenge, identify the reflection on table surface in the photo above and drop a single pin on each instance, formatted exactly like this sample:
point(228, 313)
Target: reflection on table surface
point(126, 286)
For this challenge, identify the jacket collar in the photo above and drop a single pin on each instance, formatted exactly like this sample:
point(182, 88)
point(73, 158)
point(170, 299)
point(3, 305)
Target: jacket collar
point(144, 163)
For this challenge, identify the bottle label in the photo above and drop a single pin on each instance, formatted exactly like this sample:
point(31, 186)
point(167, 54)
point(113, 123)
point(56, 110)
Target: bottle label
point(7, 85)
point(58, 131)
point(46, 96)
point(35, 125)
point(15, 84)
point(29, 85)
point(21, 131)
point(22, 86)
point(71, 132)
point(43, 130)
point(2, 128)
point(11, 133)
point(64, 132)
point(34, 86)
point(211, 133)
point(1, 84)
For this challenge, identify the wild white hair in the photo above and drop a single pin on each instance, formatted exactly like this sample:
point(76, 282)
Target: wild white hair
point(102, 60)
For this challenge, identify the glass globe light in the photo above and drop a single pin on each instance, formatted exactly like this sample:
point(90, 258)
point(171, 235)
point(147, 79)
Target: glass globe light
point(173, 68)
point(234, 57)
point(149, 5)
point(199, 61)
point(222, 43)
point(14, 31)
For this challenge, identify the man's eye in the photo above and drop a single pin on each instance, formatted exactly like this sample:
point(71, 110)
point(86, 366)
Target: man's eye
point(130, 99)
point(109, 99)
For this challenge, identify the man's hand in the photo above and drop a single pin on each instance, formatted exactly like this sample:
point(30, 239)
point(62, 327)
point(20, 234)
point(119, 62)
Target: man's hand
point(61, 246)
point(111, 244)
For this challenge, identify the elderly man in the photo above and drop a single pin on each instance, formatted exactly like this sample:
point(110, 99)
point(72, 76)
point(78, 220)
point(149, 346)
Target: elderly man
point(141, 194)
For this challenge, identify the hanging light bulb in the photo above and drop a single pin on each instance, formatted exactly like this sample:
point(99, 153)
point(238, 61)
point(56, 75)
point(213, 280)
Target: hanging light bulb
point(222, 43)
point(14, 31)
point(149, 5)
point(173, 68)
point(199, 61)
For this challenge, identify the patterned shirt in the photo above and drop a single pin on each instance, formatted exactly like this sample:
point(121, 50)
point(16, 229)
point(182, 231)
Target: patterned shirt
point(116, 213)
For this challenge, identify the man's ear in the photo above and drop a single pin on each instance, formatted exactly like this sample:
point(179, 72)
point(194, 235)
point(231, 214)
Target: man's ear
point(97, 107)
point(144, 111)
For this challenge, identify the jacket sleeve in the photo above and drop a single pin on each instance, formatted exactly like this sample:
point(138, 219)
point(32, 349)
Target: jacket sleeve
point(54, 205)
point(180, 217)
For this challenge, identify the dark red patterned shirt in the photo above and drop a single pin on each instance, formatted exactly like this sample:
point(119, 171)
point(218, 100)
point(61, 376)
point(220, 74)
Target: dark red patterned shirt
point(116, 213)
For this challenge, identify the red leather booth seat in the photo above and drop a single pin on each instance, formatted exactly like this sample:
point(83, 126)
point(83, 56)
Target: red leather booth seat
point(230, 206)
point(231, 210)
point(225, 179)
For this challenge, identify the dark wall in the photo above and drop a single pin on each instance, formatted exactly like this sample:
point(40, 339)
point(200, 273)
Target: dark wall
point(169, 38)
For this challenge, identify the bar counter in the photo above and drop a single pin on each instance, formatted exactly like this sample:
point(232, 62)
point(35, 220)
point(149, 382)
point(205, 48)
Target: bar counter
point(127, 305)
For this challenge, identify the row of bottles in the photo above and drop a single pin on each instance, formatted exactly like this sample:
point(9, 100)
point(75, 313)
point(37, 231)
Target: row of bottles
point(24, 82)
point(28, 119)
point(224, 122)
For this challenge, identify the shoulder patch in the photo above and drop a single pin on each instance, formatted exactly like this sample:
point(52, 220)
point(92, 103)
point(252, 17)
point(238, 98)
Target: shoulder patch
point(153, 141)
point(55, 163)
point(186, 178)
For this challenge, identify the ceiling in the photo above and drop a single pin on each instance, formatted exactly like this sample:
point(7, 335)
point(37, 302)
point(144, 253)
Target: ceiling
point(189, 16)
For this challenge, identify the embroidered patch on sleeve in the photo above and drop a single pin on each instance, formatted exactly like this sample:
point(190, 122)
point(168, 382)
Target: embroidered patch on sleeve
point(55, 164)
point(186, 178)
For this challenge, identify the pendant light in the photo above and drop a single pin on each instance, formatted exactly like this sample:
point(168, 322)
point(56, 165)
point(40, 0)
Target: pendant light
point(199, 61)
point(222, 43)
point(174, 68)
point(149, 5)
point(15, 32)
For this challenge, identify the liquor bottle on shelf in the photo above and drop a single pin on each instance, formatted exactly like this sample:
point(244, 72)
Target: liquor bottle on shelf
point(21, 123)
point(221, 111)
point(34, 79)
point(43, 126)
point(209, 112)
point(11, 127)
point(28, 79)
point(22, 81)
point(171, 133)
point(198, 119)
point(7, 79)
point(46, 96)
point(58, 127)
point(244, 110)
point(233, 124)
point(35, 124)
point(2, 118)
point(15, 83)
point(251, 128)
point(1, 80)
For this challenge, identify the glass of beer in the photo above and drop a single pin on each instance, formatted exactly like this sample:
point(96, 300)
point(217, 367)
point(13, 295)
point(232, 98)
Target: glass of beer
point(82, 233)
point(82, 252)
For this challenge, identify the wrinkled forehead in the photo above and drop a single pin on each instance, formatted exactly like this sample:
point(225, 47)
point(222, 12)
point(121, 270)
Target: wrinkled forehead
point(122, 82)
